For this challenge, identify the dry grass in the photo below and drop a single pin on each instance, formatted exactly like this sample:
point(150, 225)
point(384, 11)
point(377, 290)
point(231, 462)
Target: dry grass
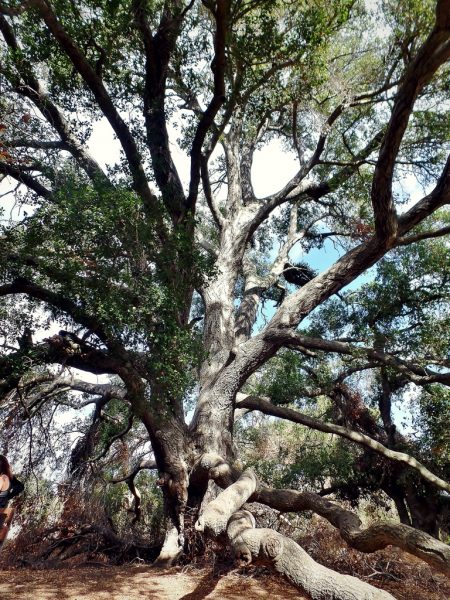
point(405, 576)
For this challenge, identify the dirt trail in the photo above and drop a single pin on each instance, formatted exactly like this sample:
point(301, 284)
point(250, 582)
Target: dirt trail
point(139, 583)
point(145, 583)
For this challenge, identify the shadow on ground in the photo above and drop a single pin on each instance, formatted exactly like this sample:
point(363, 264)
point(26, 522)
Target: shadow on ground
point(138, 583)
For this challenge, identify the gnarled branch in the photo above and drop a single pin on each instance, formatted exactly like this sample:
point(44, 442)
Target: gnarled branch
point(266, 407)
point(375, 537)
point(289, 559)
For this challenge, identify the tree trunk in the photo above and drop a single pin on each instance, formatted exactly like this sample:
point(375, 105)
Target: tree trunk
point(173, 544)
point(424, 511)
point(399, 500)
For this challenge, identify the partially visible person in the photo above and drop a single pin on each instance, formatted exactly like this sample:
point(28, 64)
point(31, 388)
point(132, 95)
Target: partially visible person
point(5, 481)
point(10, 487)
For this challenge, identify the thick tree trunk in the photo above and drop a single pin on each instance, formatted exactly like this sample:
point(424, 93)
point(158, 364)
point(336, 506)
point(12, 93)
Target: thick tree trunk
point(173, 455)
point(424, 511)
point(173, 545)
point(212, 426)
point(400, 504)
point(420, 508)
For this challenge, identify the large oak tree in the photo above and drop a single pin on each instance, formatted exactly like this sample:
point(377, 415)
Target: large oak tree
point(163, 278)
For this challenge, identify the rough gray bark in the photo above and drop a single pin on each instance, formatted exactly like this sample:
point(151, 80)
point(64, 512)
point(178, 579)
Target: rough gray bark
point(374, 537)
point(289, 559)
point(171, 549)
point(215, 516)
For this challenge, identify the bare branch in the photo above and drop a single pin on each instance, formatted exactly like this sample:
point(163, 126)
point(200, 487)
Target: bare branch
point(299, 304)
point(142, 464)
point(295, 191)
point(255, 285)
point(31, 182)
point(375, 537)
point(118, 436)
point(427, 205)
point(426, 235)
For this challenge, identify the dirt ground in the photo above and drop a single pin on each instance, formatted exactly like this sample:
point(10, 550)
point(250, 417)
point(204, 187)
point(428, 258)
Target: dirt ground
point(139, 583)
point(146, 583)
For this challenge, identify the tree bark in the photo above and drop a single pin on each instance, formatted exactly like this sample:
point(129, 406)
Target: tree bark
point(289, 559)
point(374, 537)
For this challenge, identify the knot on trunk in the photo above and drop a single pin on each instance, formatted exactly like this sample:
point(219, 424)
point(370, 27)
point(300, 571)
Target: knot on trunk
point(163, 480)
point(210, 460)
point(220, 471)
point(212, 466)
point(272, 546)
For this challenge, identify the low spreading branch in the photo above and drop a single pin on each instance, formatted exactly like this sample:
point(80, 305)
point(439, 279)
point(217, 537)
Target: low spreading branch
point(266, 407)
point(374, 537)
point(21, 285)
point(287, 557)
point(290, 560)
point(215, 517)
point(217, 513)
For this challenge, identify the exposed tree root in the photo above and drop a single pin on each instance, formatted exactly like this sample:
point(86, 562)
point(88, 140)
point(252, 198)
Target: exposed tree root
point(289, 559)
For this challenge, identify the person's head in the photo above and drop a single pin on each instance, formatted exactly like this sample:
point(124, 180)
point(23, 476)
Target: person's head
point(5, 469)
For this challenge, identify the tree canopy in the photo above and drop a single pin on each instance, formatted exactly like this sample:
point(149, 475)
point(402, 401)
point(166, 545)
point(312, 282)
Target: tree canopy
point(176, 282)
